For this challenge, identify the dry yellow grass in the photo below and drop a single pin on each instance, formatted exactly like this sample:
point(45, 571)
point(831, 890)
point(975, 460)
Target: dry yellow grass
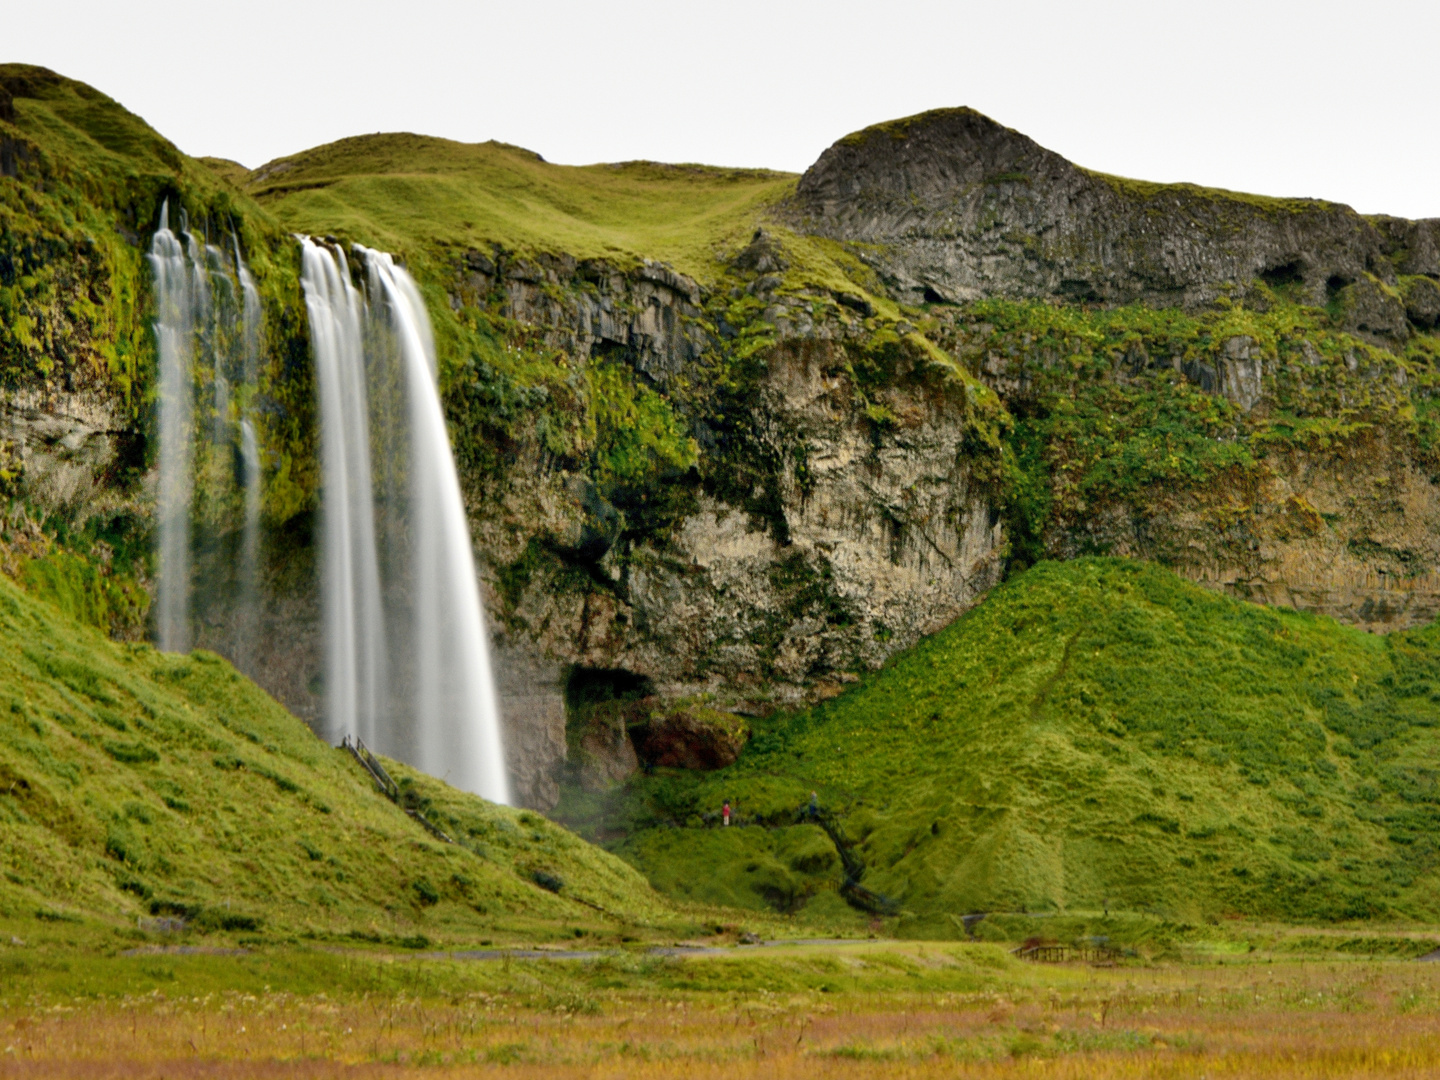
point(1249, 1020)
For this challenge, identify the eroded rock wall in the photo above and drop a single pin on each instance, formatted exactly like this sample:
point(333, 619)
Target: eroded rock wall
point(874, 531)
point(886, 538)
point(1355, 537)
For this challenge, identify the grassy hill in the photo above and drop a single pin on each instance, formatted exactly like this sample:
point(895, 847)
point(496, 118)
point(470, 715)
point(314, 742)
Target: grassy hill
point(136, 784)
point(405, 189)
point(430, 199)
point(1096, 733)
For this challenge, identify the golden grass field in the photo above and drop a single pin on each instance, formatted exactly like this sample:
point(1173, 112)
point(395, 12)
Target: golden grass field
point(1245, 1018)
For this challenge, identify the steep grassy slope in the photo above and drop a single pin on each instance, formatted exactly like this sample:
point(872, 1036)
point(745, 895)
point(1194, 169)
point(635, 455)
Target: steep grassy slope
point(136, 784)
point(1097, 732)
point(85, 179)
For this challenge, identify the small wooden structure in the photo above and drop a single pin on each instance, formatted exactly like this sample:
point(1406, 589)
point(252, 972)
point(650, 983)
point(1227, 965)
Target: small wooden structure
point(1053, 952)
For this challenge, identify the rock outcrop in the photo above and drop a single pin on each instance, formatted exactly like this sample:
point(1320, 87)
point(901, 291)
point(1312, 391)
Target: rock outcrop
point(694, 737)
point(1356, 538)
point(955, 207)
point(863, 524)
point(586, 308)
point(882, 534)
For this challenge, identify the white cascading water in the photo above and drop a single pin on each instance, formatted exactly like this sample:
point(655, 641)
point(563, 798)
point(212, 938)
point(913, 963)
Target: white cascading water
point(181, 299)
point(203, 326)
point(456, 713)
point(355, 684)
point(248, 605)
point(441, 712)
point(247, 621)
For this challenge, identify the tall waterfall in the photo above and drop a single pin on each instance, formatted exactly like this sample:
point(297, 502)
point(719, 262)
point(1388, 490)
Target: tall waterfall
point(424, 691)
point(354, 620)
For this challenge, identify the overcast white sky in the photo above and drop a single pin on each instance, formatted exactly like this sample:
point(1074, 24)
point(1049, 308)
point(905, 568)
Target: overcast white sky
point(1323, 99)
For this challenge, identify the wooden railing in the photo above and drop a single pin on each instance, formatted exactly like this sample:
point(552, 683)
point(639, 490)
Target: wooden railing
point(387, 786)
point(1054, 953)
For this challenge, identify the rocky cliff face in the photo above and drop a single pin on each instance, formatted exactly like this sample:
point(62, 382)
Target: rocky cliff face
point(720, 498)
point(862, 527)
point(884, 538)
point(960, 208)
point(867, 516)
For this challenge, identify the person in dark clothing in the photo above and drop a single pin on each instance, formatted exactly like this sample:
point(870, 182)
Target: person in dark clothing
point(814, 805)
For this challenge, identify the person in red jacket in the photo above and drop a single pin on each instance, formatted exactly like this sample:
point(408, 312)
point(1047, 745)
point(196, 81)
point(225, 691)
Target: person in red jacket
point(725, 813)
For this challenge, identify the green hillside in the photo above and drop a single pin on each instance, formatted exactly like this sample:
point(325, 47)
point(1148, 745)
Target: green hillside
point(139, 784)
point(90, 178)
point(429, 199)
point(1096, 733)
point(403, 190)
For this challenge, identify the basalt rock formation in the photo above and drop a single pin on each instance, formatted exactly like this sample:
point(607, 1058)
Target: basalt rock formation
point(963, 208)
point(848, 539)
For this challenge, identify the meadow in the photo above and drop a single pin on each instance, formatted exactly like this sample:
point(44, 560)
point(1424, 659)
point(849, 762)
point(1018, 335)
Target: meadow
point(861, 1009)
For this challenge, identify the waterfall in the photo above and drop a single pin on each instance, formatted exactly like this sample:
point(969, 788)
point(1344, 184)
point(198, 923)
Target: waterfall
point(207, 322)
point(456, 714)
point(248, 602)
point(430, 699)
point(180, 299)
point(247, 607)
point(350, 578)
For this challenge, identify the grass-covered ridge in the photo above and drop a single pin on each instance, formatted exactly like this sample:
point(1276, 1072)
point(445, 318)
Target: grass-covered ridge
point(136, 784)
point(1096, 733)
point(416, 194)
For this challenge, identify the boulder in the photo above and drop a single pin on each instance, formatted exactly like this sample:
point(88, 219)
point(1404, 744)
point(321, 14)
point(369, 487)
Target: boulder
point(1369, 307)
point(694, 737)
point(763, 255)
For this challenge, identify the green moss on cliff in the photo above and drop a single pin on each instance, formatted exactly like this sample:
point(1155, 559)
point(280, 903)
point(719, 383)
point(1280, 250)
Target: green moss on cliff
point(88, 179)
point(1129, 405)
point(83, 185)
point(632, 430)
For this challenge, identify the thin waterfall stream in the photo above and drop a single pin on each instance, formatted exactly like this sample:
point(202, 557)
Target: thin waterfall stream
point(248, 604)
point(207, 326)
point(180, 309)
